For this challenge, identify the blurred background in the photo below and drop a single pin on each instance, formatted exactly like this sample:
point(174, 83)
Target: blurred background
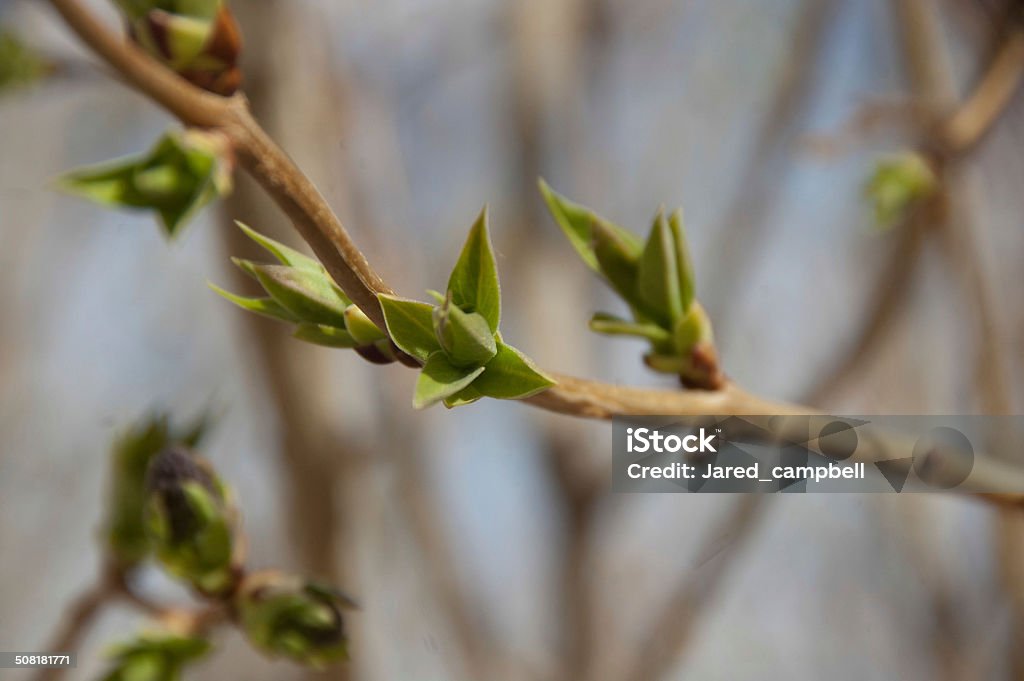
point(482, 543)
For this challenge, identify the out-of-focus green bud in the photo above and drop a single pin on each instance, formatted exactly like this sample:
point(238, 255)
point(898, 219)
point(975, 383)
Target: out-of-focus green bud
point(190, 521)
point(19, 64)
point(155, 656)
point(286, 616)
point(178, 177)
point(897, 183)
point(131, 455)
point(199, 39)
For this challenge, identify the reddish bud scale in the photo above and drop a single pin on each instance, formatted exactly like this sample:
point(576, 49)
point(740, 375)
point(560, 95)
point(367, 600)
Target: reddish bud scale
point(216, 68)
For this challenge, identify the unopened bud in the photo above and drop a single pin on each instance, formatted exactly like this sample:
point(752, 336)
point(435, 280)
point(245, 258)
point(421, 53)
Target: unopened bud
point(154, 656)
point(190, 521)
point(284, 615)
point(199, 39)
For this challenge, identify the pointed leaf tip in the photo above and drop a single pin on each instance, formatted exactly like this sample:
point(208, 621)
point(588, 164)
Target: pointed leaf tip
point(473, 284)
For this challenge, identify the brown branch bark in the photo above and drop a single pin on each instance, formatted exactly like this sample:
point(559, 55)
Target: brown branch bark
point(296, 195)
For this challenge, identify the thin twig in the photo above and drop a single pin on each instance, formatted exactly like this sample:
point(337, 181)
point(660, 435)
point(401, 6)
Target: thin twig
point(296, 195)
point(78, 620)
point(957, 135)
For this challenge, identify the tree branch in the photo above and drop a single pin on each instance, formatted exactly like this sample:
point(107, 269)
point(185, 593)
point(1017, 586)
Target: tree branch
point(296, 195)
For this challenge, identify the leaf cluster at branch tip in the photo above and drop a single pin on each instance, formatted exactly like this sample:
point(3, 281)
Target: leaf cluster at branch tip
point(655, 278)
point(457, 338)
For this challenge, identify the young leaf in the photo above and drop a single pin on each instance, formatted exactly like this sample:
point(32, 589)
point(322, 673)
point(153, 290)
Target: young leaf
point(618, 260)
point(684, 264)
point(657, 286)
point(284, 254)
point(410, 325)
point(614, 326)
point(327, 336)
point(465, 336)
point(511, 376)
point(441, 379)
point(577, 222)
point(473, 284)
point(268, 307)
point(310, 296)
point(467, 395)
point(360, 327)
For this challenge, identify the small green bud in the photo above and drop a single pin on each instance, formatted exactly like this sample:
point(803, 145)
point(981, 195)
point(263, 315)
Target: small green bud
point(155, 656)
point(897, 183)
point(465, 337)
point(199, 39)
point(191, 521)
point(286, 616)
point(176, 178)
point(131, 454)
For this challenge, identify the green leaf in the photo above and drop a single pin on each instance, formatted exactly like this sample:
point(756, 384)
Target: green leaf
point(467, 395)
point(465, 336)
point(618, 260)
point(310, 296)
point(441, 379)
point(511, 376)
point(614, 326)
point(577, 222)
point(284, 254)
point(410, 325)
point(327, 336)
point(360, 327)
point(684, 264)
point(657, 286)
point(267, 307)
point(473, 284)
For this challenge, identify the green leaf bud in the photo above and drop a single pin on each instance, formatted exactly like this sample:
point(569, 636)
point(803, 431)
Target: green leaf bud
point(155, 656)
point(466, 337)
point(191, 521)
point(286, 616)
point(175, 179)
point(897, 183)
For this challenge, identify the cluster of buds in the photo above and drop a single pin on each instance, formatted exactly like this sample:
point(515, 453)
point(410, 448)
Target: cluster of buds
point(284, 615)
point(897, 184)
point(198, 39)
point(131, 455)
point(175, 179)
point(301, 292)
point(191, 521)
point(457, 340)
point(155, 656)
point(655, 277)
